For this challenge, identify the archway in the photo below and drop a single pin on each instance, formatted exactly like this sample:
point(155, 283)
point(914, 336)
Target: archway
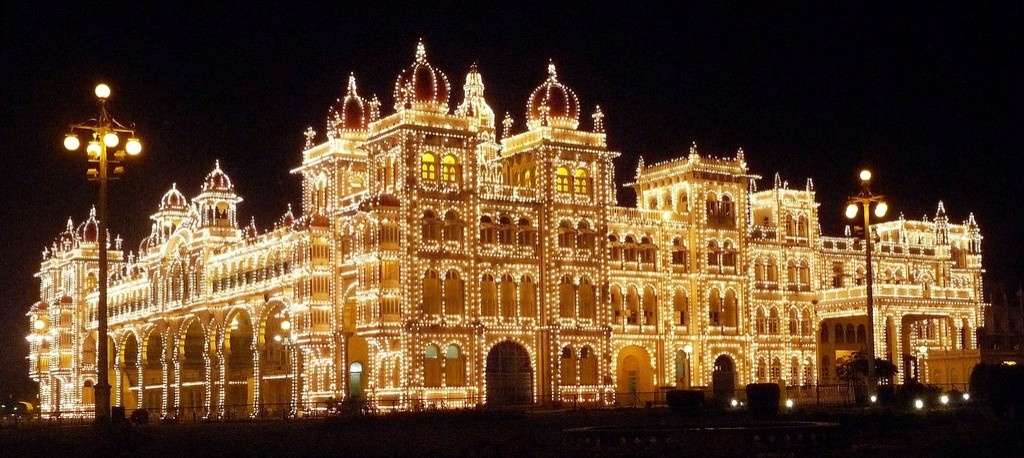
point(509, 375)
point(276, 363)
point(355, 380)
point(153, 373)
point(238, 373)
point(723, 381)
point(192, 367)
point(635, 376)
point(130, 373)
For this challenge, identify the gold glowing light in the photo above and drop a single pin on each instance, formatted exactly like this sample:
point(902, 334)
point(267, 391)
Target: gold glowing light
point(102, 91)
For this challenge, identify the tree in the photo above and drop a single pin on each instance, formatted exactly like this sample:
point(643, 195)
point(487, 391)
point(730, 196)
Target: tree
point(854, 370)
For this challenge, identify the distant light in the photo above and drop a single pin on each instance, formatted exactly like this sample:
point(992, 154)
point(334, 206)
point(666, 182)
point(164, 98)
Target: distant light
point(789, 403)
point(687, 349)
point(735, 403)
point(286, 325)
point(865, 175)
point(944, 399)
point(39, 324)
point(874, 399)
point(967, 396)
point(919, 404)
point(102, 91)
point(94, 148)
point(277, 337)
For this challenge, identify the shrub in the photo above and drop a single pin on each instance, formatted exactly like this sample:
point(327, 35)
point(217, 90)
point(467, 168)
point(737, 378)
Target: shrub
point(763, 399)
point(140, 416)
point(685, 402)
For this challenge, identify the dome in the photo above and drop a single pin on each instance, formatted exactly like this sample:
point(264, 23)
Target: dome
point(288, 218)
point(217, 180)
point(553, 103)
point(88, 231)
point(173, 200)
point(67, 240)
point(353, 113)
point(421, 86)
point(380, 200)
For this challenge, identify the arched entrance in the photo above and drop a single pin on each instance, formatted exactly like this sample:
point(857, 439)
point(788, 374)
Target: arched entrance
point(192, 363)
point(238, 375)
point(276, 363)
point(355, 379)
point(723, 381)
point(635, 377)
point(153, 373)
point(509, 375)
point(130, 373)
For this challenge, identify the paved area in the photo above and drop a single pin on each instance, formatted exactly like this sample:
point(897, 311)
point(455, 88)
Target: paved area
point(644, 432)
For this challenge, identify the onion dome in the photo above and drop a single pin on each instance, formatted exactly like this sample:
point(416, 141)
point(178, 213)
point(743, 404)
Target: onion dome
point(217, 180)
point(380, 200)
point(88, 231)
point(421, 86)
point(174, 200)
point(552, 104)
point(250, 230)
point(152, 240)
point(350, 114)
point(40, 307)
point(288, 218)
point(67, 240)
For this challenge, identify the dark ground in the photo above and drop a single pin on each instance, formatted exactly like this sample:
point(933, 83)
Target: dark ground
point(629, 432)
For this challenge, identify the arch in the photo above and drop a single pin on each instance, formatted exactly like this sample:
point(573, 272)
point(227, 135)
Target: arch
point(454, 294)
point(129, 364)
point(428, 167)
point(588, 366)
point(567, 367)
point(587, 299)
point(192, 367)
point(431, 366)
point(356, 384)
point(509, 375)
point(527, 297)
point(450, 169)
point(431, 292)
point(723, 378)
point(488, 296)
point(680, 304)
point(276, 359)
point(580, 182)
point(239, 370)
point(153, 371)
point(507, 295)
point(454, 366)
point(566, 297)
point(634, 377)
point(562, 180)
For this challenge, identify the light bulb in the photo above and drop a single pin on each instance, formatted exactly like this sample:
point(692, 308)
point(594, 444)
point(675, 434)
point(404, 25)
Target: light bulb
point(102, 91)
point(71, 142)
point(851, 211)
point(133, 147)
point(881, 209)
point(110, 139)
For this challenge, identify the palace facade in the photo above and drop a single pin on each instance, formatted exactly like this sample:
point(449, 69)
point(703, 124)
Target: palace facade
point(441, 260)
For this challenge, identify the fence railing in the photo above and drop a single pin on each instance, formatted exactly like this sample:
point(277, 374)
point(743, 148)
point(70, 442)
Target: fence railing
point(805, 395)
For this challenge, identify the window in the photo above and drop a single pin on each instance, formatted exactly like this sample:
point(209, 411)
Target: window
point(580, 182)
point(449, 169)
point(431, 366)
point(566, 297)
point(679, 306)
point(428, 167)
point(562, 180)
point(454, 367)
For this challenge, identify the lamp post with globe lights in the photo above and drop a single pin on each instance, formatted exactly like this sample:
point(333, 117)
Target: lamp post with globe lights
point(863, 203)
point(104, 134)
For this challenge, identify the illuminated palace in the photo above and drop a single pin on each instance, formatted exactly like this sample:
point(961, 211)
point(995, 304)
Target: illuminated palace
point(440, 259)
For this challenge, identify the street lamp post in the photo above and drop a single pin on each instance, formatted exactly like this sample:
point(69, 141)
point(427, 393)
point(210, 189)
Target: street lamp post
point(104, 133)
point(863, 202)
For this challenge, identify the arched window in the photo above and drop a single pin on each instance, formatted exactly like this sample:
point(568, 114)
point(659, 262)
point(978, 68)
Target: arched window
point(824, 333)
point(454, 367)
point(714, 254)
point(761, 321)
point(567, 367)
point(715, 311)
point(730, 308)
point(526, 234)
point(527, 297)
point(680, 304)
point(566, 298)
point(562, 180)
point(794, 320)
point(629, 249)
point(728, 254)
point(488, 296)
point(632, 305)
point(580, 182)
point(431, 293)
point(617, 310)
point(431, 366)
point(428, 167)
point(587, 299)
point(679, 252)
point(508, 296)
point(584, 236)
point(431, 226)
point(805, 323)
point(449, 169)
point(453, 294)
point(505, 231)
point(648, 252)
point(588, 367)
point(840, 335)
point(773, 321)
point(452, 227)
point(650, 306)
point(487, 230)
point(614, 249)
point(566, 235)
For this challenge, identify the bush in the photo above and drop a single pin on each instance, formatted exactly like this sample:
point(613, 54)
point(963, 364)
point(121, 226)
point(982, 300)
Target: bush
point(763, 399)
point(140, 416)
point(998, 385)
point(685, 402)
point(913, 391)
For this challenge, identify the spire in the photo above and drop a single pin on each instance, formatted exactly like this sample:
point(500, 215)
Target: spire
point(552, 75)
point(598, 120)
point(421, 52)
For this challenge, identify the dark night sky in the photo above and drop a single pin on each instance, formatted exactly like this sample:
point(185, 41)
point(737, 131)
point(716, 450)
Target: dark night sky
point(927, 94)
